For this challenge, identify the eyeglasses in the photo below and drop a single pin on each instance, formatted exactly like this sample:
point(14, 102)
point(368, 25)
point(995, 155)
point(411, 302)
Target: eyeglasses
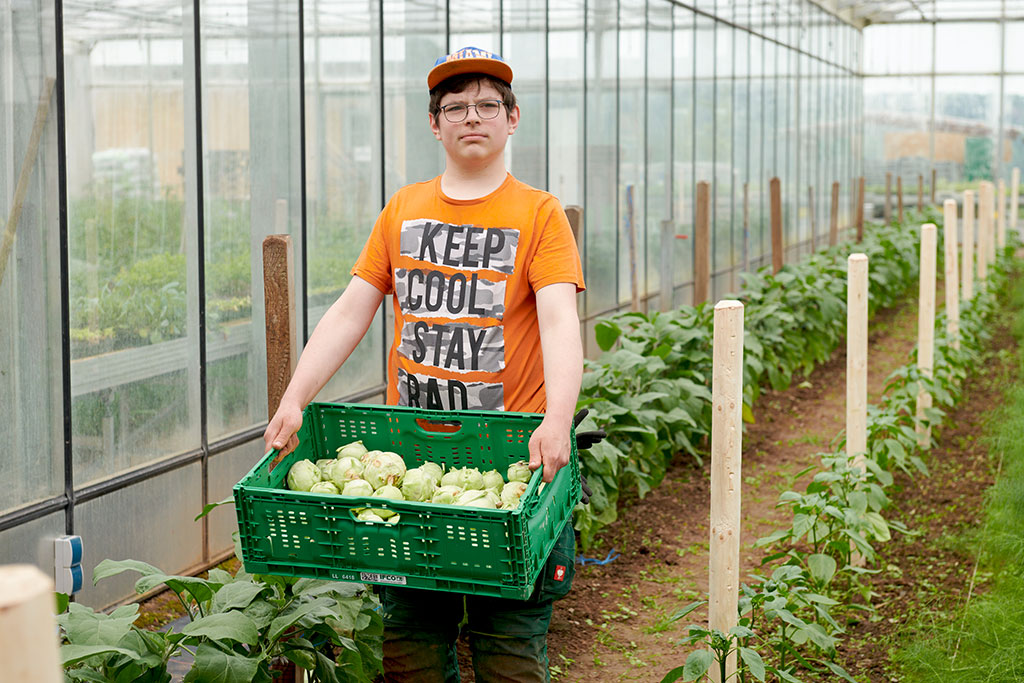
point(457, 113)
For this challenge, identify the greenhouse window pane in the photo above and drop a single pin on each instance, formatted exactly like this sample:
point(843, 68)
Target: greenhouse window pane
point(950, 40)
point(524, 48)
point(134, 269)
point(31, 395)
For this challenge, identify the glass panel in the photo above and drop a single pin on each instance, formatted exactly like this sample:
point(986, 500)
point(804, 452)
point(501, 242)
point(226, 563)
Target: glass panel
point(756, 175)
point(983, 55)
point(474, 23)
point(565, 103)
point(134, 269)
point(966, 127)
point(344, 182)
point(32, 542)
point(896, 132)
point(523, 46)
point(414, 37)
point(151, 521)
point(225, 470)
point(660, 127)
point(704, 114)
point(1013, 49)
point(898, 48)
point(601, 254)
point(1013, 126)
point(682, 148)
point(741, 153)
point(31, 394)
point(631, 148)
point(723, 244)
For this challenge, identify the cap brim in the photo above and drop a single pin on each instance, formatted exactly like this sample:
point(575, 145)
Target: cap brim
point(491, 67)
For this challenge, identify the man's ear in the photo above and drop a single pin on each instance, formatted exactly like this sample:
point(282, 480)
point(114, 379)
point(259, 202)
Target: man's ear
point(513, 120)
point(432, 120)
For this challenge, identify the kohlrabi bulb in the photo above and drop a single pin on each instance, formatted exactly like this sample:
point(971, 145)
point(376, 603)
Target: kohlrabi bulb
point(303, 475)
point(386, 468)
point(357, 487)
point(417, 485)
point(324, 487)
point(520, 471)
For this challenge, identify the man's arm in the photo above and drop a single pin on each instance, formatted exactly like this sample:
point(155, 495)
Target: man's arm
point(330, 345)
point(562, 349)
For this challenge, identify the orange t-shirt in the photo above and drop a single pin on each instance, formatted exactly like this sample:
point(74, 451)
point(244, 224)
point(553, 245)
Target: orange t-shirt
point(463, 274)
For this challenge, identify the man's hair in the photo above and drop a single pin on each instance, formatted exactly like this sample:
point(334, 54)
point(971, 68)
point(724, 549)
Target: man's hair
point(462, 83)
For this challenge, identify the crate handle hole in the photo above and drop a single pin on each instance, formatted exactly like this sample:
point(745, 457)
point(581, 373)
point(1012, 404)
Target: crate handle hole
point(438, 426)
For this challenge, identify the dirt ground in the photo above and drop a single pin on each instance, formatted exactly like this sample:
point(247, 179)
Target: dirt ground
point(614, 626)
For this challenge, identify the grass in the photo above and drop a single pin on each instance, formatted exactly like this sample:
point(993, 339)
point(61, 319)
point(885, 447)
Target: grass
point(985, 641)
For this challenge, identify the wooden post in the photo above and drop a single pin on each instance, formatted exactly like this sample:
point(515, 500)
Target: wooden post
point(278, 284)
point(899, 197)
point(967, 255)
point(933, 186)
point(667, 264)
point(920, 192)
point(926, 327)
point(814, 221)
point(29, 650)
point(775, 191)
point(985, 202)
point(726, 466)
point(1014, 197)
point(857, 358)
point(833, 218)
point(575, 215)
point(1001, 216)
point(25, 174)
point(951, 278)
point(702, 245)
point(888, 197)
point(860, 209)
point(634, 289)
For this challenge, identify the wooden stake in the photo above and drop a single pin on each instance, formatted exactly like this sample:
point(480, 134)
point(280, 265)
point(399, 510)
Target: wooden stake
point(888, 197)
point(28, 628)
point(951, 278)
point(575, 215)
point(775, 192)
point(833, 218)
point(920, 192)
point(702, 245)
point(857, 358)
point(814, 218)
point(985, 207)
point(933, 186)
point(726, 468)
point(899, 197)
point(667, 264)
point(1014, 197)
point(860, 209)
point(634, 289)
point(926, 327)
point(967, 255)
point(278, 284)
point(21, 189)
point(1001, 216)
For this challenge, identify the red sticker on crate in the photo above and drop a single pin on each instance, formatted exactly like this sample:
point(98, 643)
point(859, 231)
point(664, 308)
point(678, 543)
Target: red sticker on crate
point(559, 573)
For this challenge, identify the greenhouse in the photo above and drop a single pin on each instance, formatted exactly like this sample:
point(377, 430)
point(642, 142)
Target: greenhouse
point(189, 188)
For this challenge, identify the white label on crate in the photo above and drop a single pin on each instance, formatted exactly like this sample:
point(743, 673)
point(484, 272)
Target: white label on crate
point(373, 577)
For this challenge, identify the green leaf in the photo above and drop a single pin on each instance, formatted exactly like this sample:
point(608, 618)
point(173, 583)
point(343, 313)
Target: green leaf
point(673, 675)
point(686, 610)
point(697, 664)
point(213, 665)
point(234, 626)
point(753, 661)
point(236, 595)
point(822, 568)
point(606, 333)
point(86, 627)
point(210, 506)
point(63, 600)
point(73, 654)
point(320, 607)
point(838, 671)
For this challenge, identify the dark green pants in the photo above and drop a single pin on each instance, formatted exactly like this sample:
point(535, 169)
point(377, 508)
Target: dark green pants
point(508, 637)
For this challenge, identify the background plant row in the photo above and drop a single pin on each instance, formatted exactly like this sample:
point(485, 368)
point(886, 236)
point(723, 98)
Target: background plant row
point(651, 388)
point(788, 619)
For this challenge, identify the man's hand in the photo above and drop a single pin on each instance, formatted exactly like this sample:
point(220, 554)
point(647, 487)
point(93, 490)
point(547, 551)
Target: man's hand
point(280, 433)
point(549, 446)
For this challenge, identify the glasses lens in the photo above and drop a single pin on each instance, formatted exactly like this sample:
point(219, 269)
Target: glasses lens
point(455, 112)
point(488, 109)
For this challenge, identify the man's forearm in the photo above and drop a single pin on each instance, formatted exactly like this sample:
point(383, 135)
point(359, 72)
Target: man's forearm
point(562, 349)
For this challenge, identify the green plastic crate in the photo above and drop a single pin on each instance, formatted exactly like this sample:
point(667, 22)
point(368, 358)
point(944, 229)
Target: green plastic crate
point(440, 547)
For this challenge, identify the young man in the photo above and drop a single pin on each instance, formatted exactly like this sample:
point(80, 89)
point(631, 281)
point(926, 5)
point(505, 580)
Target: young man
point(484, 274)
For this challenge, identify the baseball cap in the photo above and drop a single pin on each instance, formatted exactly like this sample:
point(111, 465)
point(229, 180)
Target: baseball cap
point(469, 60)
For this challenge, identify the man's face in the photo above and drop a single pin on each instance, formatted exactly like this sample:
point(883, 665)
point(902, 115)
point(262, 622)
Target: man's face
point(475, 140)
